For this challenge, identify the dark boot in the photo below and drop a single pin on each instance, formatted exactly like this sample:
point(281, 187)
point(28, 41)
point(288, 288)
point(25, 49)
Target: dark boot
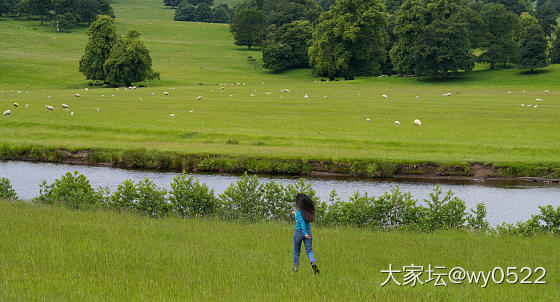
point(314, 267)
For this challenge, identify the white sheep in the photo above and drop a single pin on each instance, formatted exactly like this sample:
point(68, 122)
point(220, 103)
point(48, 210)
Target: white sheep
point(153, 93)
point(535, 106)
point(448, 94)
point(368, 120)
point(86, 89)
point(509, 92)
point(50, 108)
point(384, 96)
point(16, 105)
point(72, 114)
point(77, 95)
point(546, 91)
point(538, 100)
point(65, 106)
point(26, 106)
point(199, 98)
point(172, 115)
point(397, 123)
point(417, 123)
point(222, 88)
point(98, 109)
point(191, 111)
point(252, 94)
point(522, 105)
point(49, 97)
point(7, 112)
point(165, 93)
point(306, 96)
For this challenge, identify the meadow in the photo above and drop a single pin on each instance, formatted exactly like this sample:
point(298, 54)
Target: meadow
point(53, 253)
point(480, 122)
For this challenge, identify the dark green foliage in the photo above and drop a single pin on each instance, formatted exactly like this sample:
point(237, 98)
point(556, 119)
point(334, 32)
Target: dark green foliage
point(533, 49)
point(101, 38)
point(243, 200)
point(221, 14)
point(67, 20)
point(185, 12)
point(547, 221)
point(443, 212)
point(555, 51)
point(476, 219)
point(280, 12)
point(350, 39)
point(203, 13)
point(516, 6)
point(288, 49)
point(151, 199)
point(40, 7)
point(497, 37)
point(72, 191)
point(393, 5)
point(6, 189)
point(129, 61)
point(547, 15)
point(248, 27)
point(198, 2)
point(189, 198)
point(326, 4)
point(171, 3)
point(432, 38)
point(125, 197)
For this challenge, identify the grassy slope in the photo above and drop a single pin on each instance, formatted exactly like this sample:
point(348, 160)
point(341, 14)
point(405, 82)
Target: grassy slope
point(57, 254)
point(480, 122)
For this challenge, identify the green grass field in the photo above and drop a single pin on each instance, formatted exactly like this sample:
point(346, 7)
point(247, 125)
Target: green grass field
point(58, 254)
point(480, 122)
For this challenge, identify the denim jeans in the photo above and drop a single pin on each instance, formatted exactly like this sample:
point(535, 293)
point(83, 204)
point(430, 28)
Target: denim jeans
point(308, 243)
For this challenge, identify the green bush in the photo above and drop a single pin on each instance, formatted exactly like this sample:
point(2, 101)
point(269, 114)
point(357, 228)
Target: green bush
point(443, 213)
point(190, 198)
point(243, 200)
point(125, 197)
point(151, 199)
point(6, 189)
point(71, 190)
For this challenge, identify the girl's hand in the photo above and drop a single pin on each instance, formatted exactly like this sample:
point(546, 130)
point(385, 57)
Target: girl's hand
point(307, 236)
point(294, 213)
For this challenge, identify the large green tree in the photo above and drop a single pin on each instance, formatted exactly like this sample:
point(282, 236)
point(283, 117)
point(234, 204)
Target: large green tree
point(289, 47)
point(533, 48)
point(129, 61)
point(516, 6)
point(171, 3)
point(432, 38)
point(497, 38)
point(102, 37)
point(555, 51)
point(248, 27)
point(350, 39)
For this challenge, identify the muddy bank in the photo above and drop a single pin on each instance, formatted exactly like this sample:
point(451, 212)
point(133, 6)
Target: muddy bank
point(169, 161)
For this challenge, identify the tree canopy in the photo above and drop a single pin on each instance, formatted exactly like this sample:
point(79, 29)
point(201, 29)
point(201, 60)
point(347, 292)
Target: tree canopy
point(497, 39)
point(248, 26)
point(533, 48)
point(432, 38)
point(102, 37)
point(288, 47)
point(350, 39)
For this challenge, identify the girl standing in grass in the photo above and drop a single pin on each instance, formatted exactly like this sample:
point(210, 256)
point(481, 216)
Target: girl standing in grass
point(304, 215)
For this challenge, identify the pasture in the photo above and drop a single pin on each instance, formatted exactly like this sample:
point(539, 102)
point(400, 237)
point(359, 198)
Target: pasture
point(51, 253)
point(479, 122)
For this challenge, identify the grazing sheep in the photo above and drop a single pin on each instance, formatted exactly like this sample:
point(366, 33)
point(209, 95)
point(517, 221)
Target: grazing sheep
point(306, 96)
point(86, 89)
point(547, 91)
point(26, 106)
point(417, 123)
point(165, 93)
point(523, 91)
point(535, 106)
point(72, 114)
point(7, 112)
point(199, 98)
point(65, 106)
point(66, 109)
point(49, 97)
point(19, 91)
point(509, 92)
point(269, 92)
point(50, 108)
point(77, 95)
point(448, 94)
point(153, 93)
point(172, 115)
point(368, 120)
point(191, 111)
point(538, 100)
point(416, 96)
point(252, 94)
point(27, 85)
point(16, 105)
point(522, 105)
point(222, 88)
point(231, 95)
point(384, 96)
point(98, 109)
point(397, 123)
point(102, 95)
point(140, 99)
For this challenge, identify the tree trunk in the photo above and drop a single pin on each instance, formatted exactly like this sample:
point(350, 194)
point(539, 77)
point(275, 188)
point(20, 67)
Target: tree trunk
point(128, 84)
point(331, 78)
point(531, 69)
point(492, 65)
point(41, 19)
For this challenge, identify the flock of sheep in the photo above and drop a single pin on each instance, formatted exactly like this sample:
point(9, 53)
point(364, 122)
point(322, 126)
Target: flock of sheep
point(66, 107)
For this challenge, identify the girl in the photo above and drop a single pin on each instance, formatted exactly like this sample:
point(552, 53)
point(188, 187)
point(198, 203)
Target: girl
point(304, 215)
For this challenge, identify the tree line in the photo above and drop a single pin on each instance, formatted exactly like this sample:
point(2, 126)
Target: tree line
point(349, 38)
point(200, 11)
point(62, 13)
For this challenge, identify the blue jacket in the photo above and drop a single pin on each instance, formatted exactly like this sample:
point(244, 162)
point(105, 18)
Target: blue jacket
point(301, 224)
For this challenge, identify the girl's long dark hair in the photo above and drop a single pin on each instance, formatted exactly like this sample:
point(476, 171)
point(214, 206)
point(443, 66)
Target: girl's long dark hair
point(306, 207)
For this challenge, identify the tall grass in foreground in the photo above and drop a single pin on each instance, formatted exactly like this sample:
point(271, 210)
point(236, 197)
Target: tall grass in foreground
point(54, 253)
